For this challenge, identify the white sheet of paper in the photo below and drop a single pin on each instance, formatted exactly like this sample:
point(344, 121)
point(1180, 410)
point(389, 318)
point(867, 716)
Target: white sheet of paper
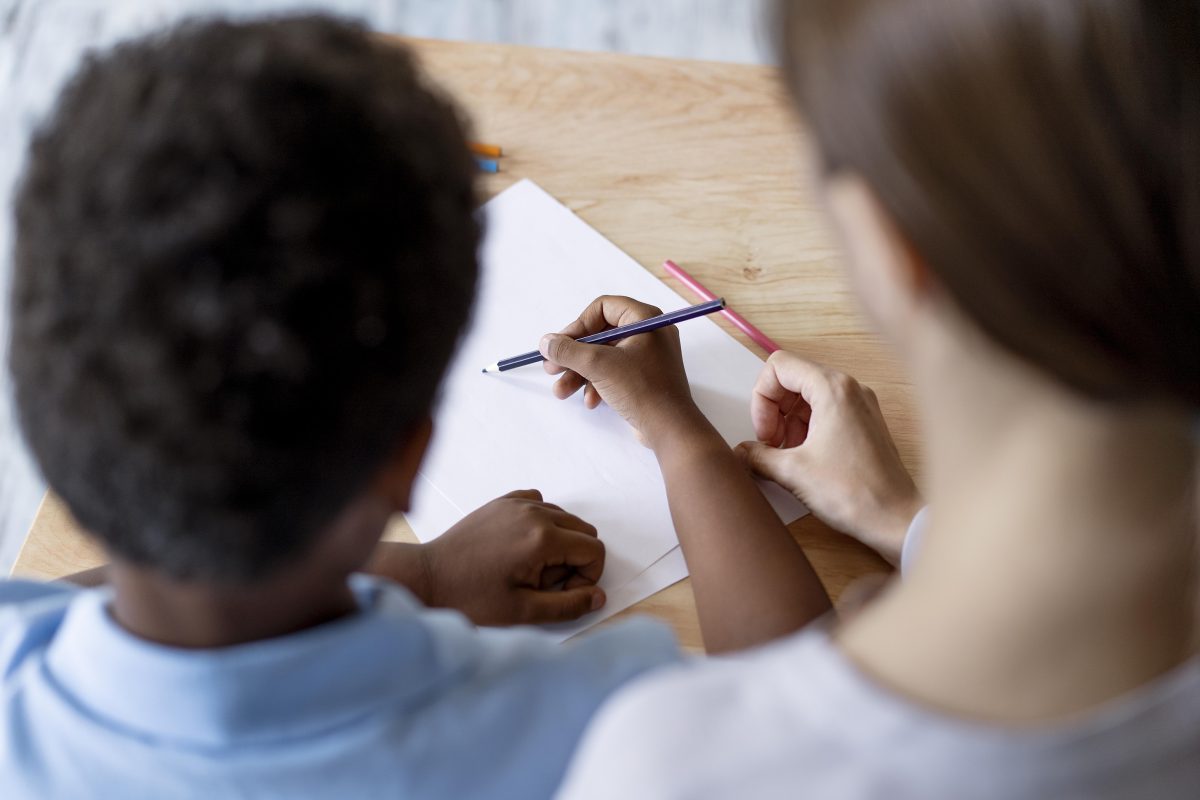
point(495, 433)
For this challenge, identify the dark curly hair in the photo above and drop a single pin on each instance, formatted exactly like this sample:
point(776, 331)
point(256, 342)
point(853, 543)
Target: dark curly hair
point(245, 253)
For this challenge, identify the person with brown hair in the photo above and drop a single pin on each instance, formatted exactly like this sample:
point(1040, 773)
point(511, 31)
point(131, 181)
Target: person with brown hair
point(1017, 187)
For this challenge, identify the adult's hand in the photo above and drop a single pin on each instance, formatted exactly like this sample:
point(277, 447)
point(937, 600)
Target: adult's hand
point(822, 436)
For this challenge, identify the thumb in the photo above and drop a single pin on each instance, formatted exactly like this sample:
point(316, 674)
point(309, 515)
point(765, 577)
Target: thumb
point(561, 605)
point(575, 356)
point(764, 461)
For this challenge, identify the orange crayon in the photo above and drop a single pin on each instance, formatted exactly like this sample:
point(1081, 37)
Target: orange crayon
point(480, 149)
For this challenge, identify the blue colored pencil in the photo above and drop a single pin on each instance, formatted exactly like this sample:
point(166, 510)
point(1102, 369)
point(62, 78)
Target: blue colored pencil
point(487, 164)
point(613, 334)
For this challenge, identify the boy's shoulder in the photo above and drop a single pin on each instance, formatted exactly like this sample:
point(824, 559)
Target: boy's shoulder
point(33, 612)
point(30, 613)
point(16, 592)
point(519, 700)
point(408, 698)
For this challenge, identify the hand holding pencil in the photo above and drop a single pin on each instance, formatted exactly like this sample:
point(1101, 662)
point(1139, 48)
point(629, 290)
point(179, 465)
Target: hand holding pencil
point(610, 335)
point(642, 377)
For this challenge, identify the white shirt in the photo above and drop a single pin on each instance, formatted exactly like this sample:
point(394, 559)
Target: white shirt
point(796, 719)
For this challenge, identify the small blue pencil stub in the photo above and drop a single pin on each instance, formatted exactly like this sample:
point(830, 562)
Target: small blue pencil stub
point(488, 164)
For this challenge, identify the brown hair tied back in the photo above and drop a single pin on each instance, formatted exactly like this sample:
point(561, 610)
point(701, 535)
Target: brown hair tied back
point(1043, 156)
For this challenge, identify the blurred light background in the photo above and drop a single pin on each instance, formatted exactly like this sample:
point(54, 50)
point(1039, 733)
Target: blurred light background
point(41, 42)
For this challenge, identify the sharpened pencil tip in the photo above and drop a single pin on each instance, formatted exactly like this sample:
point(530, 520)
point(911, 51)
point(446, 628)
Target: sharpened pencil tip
point(491, 368)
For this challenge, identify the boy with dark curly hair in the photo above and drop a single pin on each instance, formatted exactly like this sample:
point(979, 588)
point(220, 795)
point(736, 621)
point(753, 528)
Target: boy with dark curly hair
point(245, 253)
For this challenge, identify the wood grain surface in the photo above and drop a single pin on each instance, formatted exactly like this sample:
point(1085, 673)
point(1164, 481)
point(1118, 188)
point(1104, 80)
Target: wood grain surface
point(699, 162)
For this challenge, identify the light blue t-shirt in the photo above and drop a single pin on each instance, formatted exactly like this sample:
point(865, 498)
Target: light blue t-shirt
point(394, 701)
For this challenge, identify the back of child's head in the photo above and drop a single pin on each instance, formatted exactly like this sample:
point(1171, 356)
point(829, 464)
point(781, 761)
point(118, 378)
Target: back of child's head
point(244, 255)
point(1042, 156)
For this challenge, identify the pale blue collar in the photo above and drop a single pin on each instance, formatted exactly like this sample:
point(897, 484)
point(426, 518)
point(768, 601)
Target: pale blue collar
point(262, 691)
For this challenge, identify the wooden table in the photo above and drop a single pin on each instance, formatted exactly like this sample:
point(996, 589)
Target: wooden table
point(699, 162)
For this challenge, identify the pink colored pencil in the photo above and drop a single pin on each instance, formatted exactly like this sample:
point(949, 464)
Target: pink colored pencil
point(760, 338)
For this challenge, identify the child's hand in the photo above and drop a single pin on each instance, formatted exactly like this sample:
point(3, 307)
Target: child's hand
point(823, 438)
point(641, 377)
point(503, 564)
